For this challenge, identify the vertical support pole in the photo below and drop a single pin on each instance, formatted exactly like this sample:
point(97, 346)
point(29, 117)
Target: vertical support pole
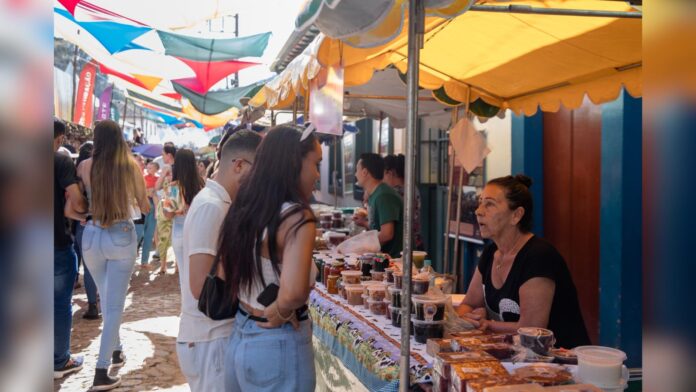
point(450, 184)
point(621, 227)
point(416, 23)
point(335, 172)
point(125, 112)
point(236, 34)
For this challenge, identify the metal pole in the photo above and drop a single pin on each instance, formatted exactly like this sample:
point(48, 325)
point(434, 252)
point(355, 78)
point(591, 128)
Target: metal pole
point(236, 34)
point(125, 112)
point(416, 23)
point(456, 258)
point(379, 134)
point(386, 97)
point(450, 185)
point(335, 172)
point(526, 9)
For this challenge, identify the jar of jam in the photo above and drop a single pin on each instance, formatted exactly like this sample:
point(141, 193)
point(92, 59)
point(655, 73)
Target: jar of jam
point(336, 268)
point(332, 284)
point(326, 272)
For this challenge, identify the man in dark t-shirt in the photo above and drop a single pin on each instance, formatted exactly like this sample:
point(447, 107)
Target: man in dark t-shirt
point(65, 188)
point(385, 206)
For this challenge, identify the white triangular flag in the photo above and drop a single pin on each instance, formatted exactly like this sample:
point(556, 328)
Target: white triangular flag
point(469, 145)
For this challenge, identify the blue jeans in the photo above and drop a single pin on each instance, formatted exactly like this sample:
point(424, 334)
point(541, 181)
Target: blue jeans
point(148, 234)
point(90, 286)
point(259, 359)
point(110, 255)
point(178, 238)
point(64, 274)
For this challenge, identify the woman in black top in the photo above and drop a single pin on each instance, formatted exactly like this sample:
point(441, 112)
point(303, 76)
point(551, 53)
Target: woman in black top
point(521, 279)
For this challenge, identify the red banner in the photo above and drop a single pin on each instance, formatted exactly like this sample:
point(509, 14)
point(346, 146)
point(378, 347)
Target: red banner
point(84, 100)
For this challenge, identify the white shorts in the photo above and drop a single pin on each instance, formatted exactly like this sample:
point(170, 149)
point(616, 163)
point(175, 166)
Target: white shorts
point(203, 364)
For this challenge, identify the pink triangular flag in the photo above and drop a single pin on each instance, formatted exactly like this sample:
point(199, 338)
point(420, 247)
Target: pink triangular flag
point(469, 145)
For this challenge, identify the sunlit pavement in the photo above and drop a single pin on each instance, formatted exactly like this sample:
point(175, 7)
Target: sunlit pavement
point(148, 334)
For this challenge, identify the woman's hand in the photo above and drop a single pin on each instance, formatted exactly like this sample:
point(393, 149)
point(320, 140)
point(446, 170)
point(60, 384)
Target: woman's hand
point(276, 318)
point(476, 317)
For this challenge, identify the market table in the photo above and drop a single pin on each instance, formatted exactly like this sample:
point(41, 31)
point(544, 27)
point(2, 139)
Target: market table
point(368, 345)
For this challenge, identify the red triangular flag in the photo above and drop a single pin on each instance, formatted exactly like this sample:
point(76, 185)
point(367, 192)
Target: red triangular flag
point(106, 70)
point(209, 73)
point(69, 5)
point(176, 96)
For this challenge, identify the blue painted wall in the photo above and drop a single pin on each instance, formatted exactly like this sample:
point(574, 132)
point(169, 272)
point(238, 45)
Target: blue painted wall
point(621, 227)
point(528, 158)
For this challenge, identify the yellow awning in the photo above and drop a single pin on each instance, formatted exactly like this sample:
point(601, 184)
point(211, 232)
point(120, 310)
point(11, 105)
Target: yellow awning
point(515, 61)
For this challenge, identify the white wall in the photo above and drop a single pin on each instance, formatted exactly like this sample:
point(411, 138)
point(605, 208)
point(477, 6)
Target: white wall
point(499, 136)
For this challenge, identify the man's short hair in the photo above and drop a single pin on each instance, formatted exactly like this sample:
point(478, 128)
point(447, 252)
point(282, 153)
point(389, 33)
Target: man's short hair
point(58, 128)
point(169, 149)
point(242, 141)
point(374, 164)
point(154, 164)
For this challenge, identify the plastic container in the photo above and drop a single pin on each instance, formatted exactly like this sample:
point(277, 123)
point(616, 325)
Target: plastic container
point(337, 267)
point(354, 293)
point(325, 273)
point(366, 263)
point(418, 258)
point(395, 315)
point(389, 275)
point(380, 263)
point(351, 277)
point(388, 313)
point(377, 292)
point(600, 366)
point(319, 262)
point(335, 239)
point(539, 340)
point(377, 275)
point(430, 308)
point(420, 285)
point(398, 279)
point(337, 223)
point(332, 284)
point(378, 307)
point(424, 330)
point(336, 214)
point(395, 296)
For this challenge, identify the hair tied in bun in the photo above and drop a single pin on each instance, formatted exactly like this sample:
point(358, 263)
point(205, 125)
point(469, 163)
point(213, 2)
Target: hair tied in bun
point(524, 180)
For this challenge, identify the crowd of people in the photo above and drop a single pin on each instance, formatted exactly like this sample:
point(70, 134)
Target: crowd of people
point(244, 225)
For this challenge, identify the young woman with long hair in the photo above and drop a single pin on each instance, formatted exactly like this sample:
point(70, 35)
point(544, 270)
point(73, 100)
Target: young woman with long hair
point(116, 193)
point(185, 185)
point(267, 238)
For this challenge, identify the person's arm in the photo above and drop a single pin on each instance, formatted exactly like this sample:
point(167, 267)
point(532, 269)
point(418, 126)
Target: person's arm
point(202, 241)
point(166, 173)
point(75, 204)
point(386, 233)
point(199, 267)
point(140, 192)
point(536, 297)
point(294, 281)
point(473, 308)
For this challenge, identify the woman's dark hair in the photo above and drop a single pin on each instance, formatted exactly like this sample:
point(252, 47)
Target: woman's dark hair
point(516, 189)
point(274, 179)
point(85, 152)
point(395, 163)
point(185, 172)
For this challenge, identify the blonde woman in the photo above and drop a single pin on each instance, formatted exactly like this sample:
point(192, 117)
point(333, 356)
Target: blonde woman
point(116, 193)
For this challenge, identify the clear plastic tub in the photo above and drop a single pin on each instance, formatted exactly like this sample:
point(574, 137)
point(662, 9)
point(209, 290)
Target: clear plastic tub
point(365, 298)
point(351, 277)
point(600, 366)
point(424, 330)
point(377, 307)
point(395, 315)
point(395, 296)
point(354, 293)
point(420, 285)
point(377, 292)
point(377, 275)
point(430, 308)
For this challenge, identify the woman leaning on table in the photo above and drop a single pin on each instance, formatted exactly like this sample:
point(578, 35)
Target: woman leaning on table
point(267, 238)
point(521, 279)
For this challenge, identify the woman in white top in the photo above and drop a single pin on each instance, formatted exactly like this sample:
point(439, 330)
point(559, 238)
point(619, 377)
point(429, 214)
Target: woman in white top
point(267, 238)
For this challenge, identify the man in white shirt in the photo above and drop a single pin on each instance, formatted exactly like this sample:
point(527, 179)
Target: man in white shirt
point(202, 341)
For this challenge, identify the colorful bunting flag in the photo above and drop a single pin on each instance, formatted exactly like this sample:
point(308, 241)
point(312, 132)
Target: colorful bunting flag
point(206, 49)
point(84, 101)
point(208, 73)
point(215, 102)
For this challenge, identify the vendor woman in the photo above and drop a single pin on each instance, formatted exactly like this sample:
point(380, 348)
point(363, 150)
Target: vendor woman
point(521, 279)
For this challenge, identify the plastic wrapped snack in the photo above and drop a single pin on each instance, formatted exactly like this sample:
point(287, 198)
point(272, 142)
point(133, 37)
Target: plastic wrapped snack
point(544, 374)
point(443, 361)
point(462, 373)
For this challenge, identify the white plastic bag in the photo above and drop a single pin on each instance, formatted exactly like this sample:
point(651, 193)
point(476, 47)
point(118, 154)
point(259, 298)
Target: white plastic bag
point(365, 242)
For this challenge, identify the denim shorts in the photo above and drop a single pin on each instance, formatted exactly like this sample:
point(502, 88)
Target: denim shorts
point(260, 359)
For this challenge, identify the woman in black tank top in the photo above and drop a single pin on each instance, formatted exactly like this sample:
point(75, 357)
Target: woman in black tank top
point(521, 279)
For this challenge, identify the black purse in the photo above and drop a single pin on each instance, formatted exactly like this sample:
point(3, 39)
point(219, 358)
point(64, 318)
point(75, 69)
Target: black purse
point(213, 301)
